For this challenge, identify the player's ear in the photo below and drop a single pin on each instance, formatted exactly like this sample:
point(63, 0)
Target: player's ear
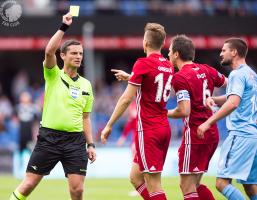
point(176, 54)
point(146, 43)
point(234, 52)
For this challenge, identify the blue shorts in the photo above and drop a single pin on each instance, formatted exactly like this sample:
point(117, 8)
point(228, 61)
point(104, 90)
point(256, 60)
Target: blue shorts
point(238, 159)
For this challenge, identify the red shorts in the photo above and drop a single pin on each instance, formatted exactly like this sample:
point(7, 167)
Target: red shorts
point(195, 158)
point(151, 149)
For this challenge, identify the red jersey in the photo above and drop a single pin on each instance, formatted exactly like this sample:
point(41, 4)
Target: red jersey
point(154, 75)
point(196, 82)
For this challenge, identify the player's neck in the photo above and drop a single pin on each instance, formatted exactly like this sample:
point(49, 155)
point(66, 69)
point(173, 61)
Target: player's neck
point(182, 64)
point(237, 63)
point(70, 71)
point(151, 51)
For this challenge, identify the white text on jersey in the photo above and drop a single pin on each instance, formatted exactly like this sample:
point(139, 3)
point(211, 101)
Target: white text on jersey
point(164, 69)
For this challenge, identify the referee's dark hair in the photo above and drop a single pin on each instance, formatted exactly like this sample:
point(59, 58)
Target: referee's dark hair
point(184, 46)
point(239, 45)
point(65, 46)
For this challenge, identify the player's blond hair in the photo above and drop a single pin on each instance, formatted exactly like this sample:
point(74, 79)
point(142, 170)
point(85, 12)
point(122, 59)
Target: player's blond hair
point(155, 35)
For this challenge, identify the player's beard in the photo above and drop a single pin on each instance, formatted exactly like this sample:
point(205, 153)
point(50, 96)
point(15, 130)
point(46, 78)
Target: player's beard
point(227, 62)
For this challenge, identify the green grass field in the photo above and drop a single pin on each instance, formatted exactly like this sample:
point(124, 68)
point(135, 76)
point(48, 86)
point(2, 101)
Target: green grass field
point(97, 189)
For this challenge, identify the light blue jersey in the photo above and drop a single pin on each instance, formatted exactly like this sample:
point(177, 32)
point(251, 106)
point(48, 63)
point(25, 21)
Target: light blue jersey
point(243, 120)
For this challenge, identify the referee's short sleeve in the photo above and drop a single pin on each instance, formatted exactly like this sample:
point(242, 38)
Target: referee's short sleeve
point(52, 73)
point(90, 99)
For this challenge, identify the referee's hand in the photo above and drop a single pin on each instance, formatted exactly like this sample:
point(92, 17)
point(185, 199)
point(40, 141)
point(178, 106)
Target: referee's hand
point(91, 154)
point(106, 132)
point(67, 19)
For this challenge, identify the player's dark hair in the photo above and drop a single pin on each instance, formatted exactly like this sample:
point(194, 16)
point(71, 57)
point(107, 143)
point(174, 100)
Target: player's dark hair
point(155, 35)
point(184, 46)
point(65, 46)
point(238, 44)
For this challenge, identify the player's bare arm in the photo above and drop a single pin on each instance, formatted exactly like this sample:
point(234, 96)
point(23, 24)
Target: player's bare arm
point(210, 103)
point(54, 43)
point(121, 75)
point(122, 104)
point(215, 101)
point(89, 136)
point(219, 100)
point(228, 107)
point(183, 109)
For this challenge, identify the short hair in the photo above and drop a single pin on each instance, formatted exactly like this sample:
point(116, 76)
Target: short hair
point(184, 46)
point(155, 35)
point(66, 44)
point(238, 44)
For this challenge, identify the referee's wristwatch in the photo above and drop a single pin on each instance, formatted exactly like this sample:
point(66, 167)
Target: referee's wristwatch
point(90, 145)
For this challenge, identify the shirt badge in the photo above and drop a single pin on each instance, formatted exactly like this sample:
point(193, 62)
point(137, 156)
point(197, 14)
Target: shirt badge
point(74, 92)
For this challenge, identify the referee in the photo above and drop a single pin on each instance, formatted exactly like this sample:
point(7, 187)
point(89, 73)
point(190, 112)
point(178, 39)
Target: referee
point(66, 126)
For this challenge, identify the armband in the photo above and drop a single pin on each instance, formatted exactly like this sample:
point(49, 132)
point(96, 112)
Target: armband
point(182, 95)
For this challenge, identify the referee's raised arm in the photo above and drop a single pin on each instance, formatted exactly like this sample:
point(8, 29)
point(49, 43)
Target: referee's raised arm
point(55, 41)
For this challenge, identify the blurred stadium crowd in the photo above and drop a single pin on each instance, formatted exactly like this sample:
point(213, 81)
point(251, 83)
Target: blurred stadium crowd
point(144, 7)
point(20, 113)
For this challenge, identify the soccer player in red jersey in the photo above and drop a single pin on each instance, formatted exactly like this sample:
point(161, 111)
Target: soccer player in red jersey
point(150, 81)
point(193, 84)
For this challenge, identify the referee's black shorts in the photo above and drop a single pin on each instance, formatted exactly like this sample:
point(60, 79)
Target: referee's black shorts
point(54, 146)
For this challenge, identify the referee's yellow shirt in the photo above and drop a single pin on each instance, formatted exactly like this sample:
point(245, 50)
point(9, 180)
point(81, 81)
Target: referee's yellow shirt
point(65, 101)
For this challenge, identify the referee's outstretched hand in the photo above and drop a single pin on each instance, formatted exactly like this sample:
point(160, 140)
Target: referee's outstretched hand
point(106, 132)
point(67, 19)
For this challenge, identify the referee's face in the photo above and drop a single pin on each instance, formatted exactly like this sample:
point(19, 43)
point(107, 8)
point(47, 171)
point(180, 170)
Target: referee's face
point(73, 57)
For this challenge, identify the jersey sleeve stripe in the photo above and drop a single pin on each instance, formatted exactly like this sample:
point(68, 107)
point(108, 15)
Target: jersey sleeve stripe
point(134, 83)
point(233, 93)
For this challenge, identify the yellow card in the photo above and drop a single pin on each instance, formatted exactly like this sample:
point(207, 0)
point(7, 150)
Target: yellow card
point(74, 11)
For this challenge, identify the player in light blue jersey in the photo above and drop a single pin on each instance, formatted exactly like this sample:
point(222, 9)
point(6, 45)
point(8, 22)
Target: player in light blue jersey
point(238, 158)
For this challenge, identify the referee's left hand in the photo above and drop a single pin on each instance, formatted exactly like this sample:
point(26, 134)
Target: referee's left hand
point(91, 154)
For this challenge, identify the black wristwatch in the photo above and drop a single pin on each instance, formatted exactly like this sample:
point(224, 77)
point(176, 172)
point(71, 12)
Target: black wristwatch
point(90, 145)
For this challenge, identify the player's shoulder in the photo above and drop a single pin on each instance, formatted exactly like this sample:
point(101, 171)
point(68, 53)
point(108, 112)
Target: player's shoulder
point(180, 75)
point(205, 67)
point(142, 59)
